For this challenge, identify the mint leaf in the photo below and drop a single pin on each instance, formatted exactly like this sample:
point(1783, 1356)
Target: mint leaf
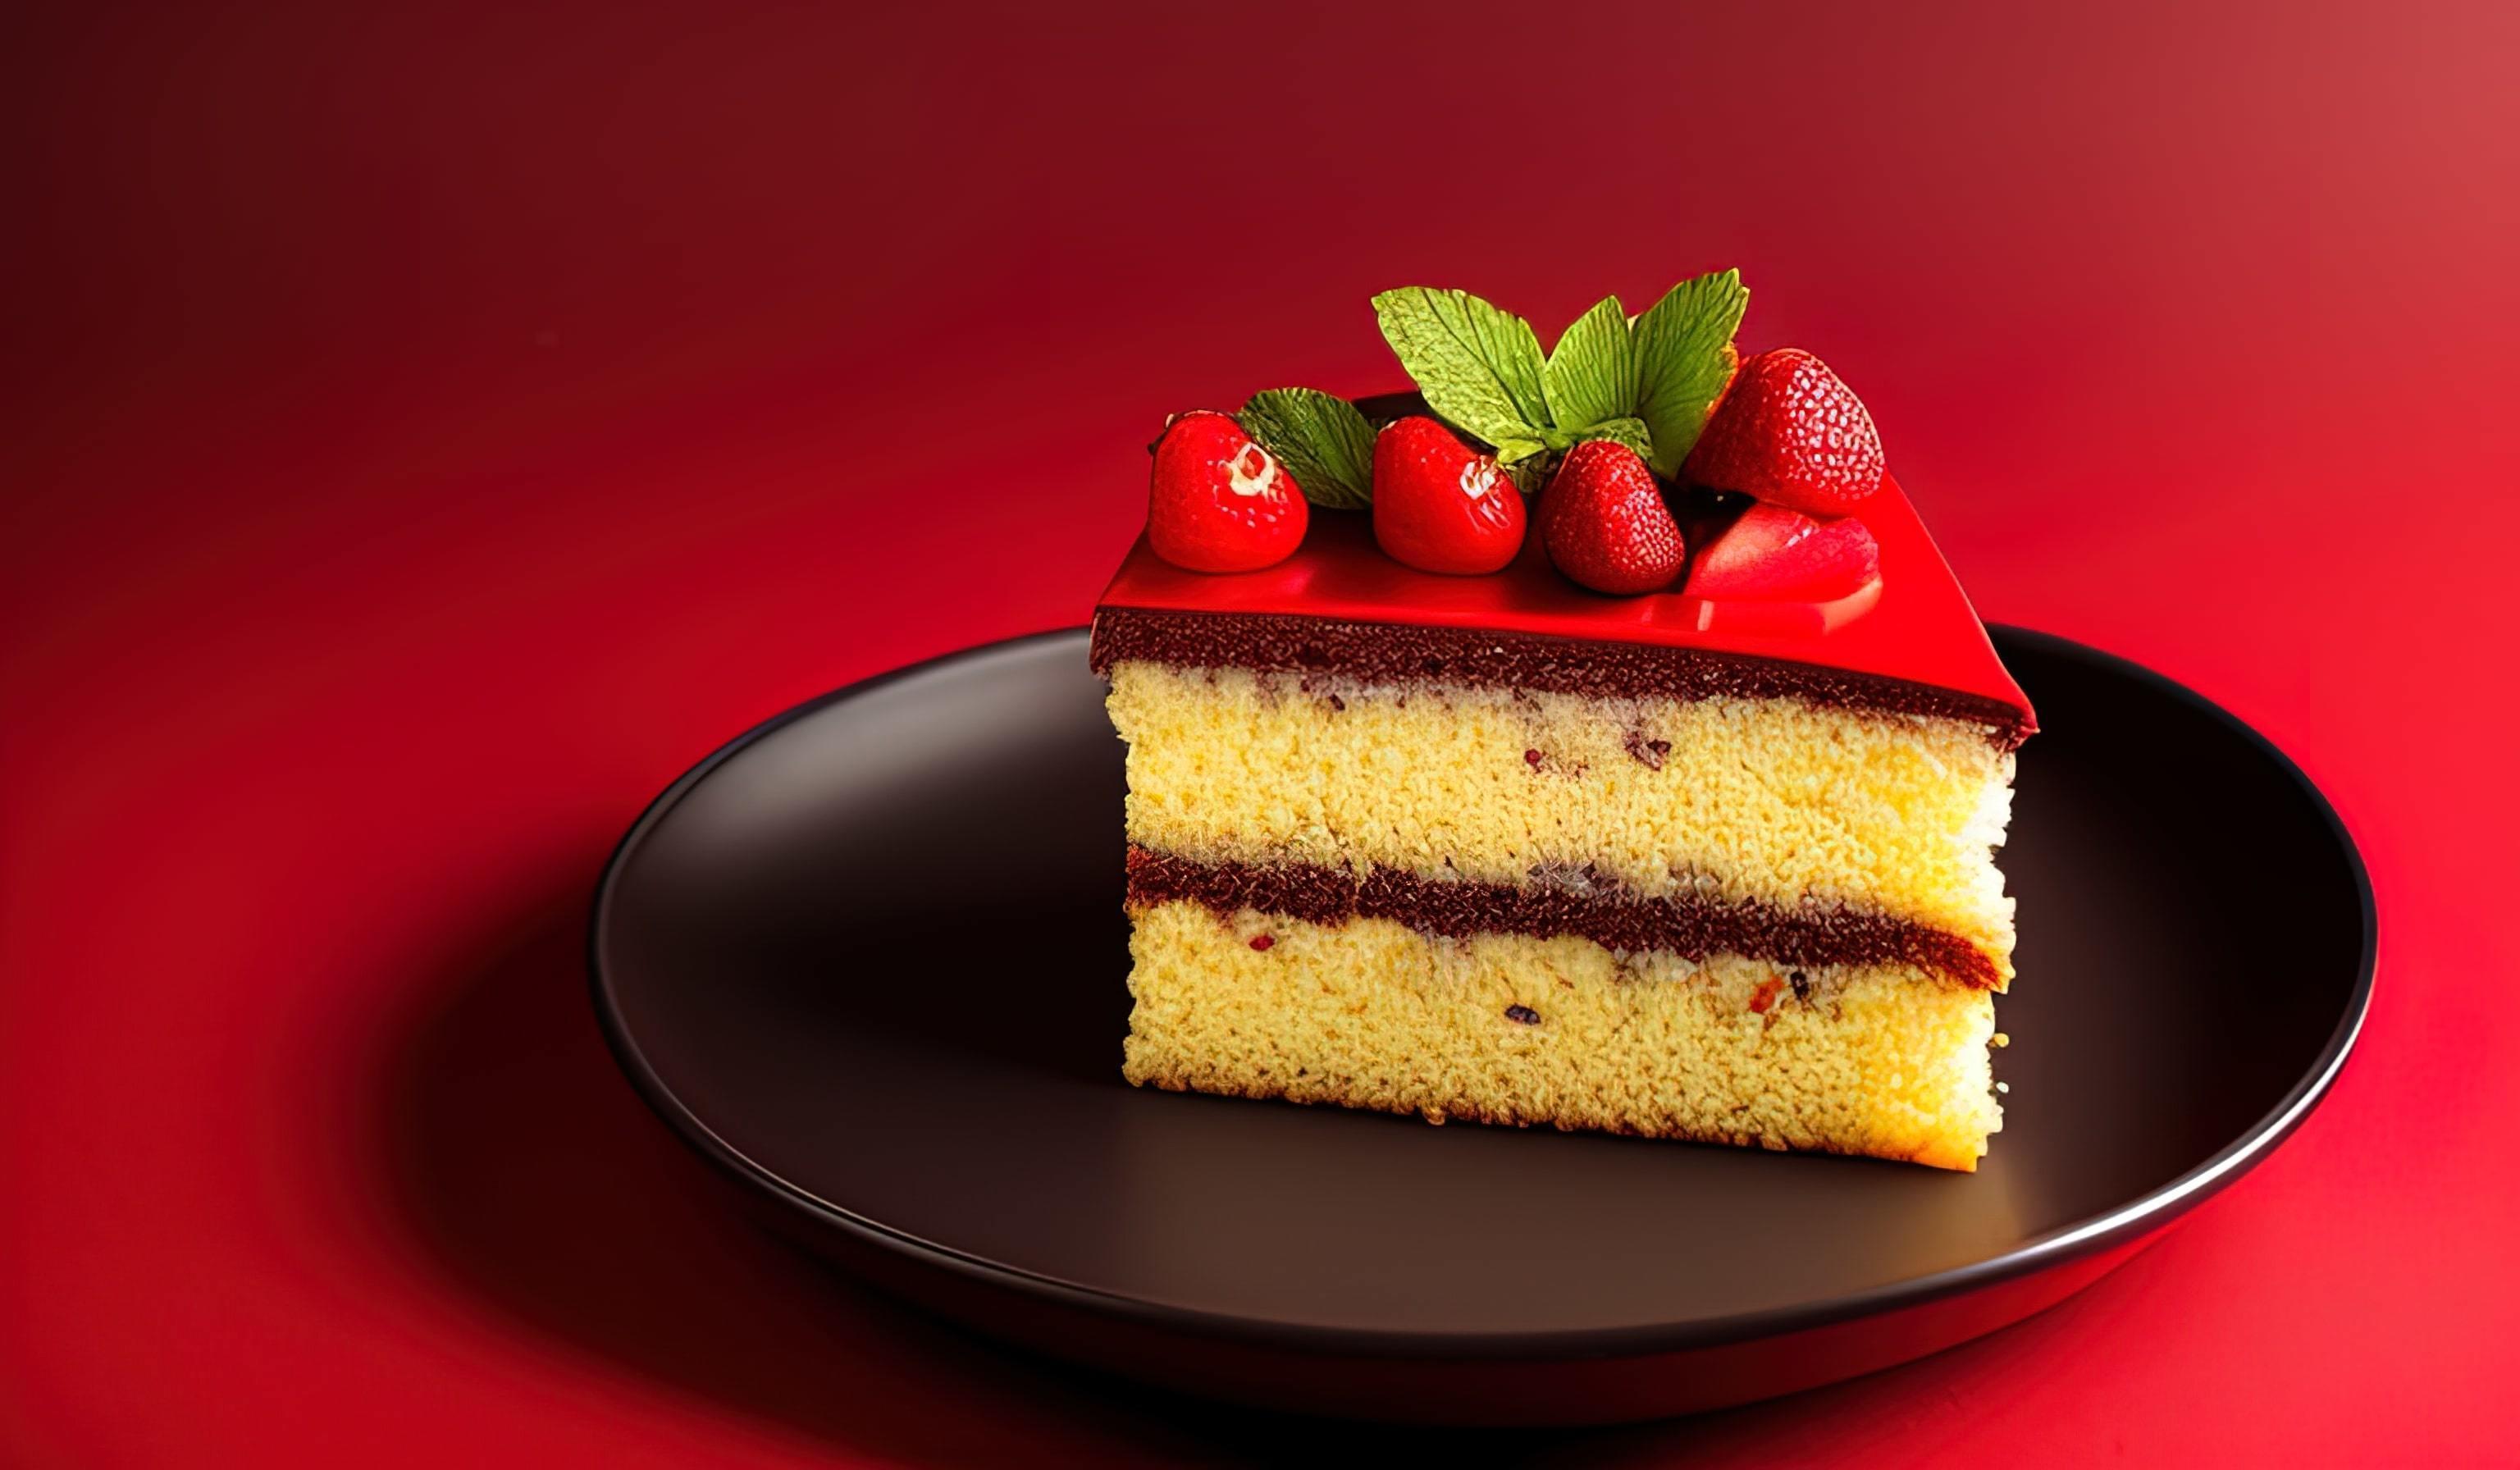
point(1479, 368)
point(1683, 355)
point(1626, 430)
point(1526, 464)
point(1324, 442)
point(1516, 450)
point(1592, 374)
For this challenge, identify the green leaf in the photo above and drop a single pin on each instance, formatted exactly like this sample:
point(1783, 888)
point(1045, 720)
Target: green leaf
point(1525, 462)
point(1684, 353)
point(1479, 366)
point(1625, 429)
point(1592, 374)
point(1324, 442)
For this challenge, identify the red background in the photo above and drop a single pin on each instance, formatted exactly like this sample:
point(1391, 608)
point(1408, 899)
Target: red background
point(427, 434)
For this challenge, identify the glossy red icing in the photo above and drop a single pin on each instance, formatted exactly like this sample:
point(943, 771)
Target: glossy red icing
point(1916, 626)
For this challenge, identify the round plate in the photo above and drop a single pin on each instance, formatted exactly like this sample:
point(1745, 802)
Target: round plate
point(869, 960)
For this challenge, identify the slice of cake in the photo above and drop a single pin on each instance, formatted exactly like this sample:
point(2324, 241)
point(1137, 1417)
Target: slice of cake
point(1705, 857)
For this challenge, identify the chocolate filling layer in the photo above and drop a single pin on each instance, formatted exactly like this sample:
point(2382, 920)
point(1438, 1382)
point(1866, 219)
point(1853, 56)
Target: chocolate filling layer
point(1409, 652)
point(1688, 927)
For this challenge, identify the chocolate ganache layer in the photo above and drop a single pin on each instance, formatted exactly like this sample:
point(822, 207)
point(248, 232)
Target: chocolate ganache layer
point(1578, 903)
point(1403, 653)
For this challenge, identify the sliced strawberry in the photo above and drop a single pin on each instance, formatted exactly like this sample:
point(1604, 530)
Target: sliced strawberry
point(1790, 432)
point(1605, 522)
point(1775, 554)
point(1438, 505)
point(1218, 501)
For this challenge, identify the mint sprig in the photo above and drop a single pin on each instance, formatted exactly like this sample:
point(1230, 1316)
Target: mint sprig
point(1479, 368)
point(1626, 430)
point(1648, 382)
point(1592, 374)
point(1324, 442)
point(1684, 356)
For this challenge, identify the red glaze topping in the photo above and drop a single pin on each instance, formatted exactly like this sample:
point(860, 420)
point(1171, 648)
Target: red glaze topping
point(1914, 625)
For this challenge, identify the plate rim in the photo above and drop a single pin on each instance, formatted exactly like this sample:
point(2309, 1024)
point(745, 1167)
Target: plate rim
point(2135, 1219)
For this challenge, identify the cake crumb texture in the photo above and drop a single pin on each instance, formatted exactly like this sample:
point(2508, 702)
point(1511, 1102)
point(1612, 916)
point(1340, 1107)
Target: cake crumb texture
point(1769, 801)
point(1881, 1060)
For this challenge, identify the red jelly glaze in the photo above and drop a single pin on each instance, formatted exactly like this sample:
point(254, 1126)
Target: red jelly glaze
point(1915, 624)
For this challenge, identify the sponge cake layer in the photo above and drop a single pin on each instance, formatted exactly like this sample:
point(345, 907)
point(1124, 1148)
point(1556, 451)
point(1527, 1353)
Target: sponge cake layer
point(1756, 802)
point(1886, 1060)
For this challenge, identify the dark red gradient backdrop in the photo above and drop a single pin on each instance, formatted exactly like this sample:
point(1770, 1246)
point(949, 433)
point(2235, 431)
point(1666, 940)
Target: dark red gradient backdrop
point(427, 434)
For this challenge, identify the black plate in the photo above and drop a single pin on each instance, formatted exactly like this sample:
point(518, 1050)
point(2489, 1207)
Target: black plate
point(869, 960)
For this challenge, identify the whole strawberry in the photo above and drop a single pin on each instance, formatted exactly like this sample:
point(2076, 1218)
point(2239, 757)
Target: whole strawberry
point(1218, 501)
point(1605, 524)
point(1790, 433)
point(1775, 555)
point(1438, 505)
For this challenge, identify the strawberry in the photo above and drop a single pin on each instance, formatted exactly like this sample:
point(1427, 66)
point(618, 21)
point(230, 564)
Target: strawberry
point(1773, 554)
point(1219, 502)
point(1605, 524)
point(1790, 433)
point(1439, 506)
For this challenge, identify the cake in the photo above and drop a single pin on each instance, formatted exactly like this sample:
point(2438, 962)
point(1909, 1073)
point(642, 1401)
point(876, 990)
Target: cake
point(1664, 805)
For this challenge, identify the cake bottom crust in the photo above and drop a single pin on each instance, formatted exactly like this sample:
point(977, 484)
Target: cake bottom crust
point(1883, 1060)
